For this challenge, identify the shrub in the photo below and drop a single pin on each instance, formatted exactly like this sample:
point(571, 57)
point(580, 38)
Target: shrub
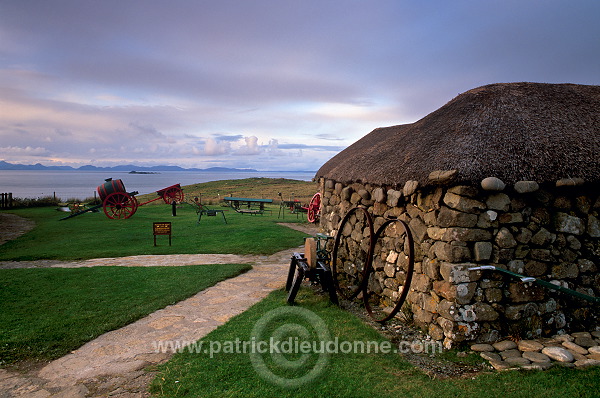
point(37, 202)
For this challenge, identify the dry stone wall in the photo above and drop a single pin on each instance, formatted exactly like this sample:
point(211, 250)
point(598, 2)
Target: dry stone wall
point(546, 231)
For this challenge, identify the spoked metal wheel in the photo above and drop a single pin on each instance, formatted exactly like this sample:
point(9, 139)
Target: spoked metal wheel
point(391, 270)
point(290, 277)
point(173, 194)
point(314, 208)
point(351, 257)
point(295, 285)
point(120, 205)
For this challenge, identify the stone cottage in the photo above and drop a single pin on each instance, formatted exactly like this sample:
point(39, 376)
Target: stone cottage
point(505, 175)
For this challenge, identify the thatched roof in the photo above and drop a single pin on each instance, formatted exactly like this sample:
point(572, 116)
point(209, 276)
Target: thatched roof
point(513, 131)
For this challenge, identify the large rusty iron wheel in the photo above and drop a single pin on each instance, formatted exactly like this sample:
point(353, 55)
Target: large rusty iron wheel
point(120, 205)
point(314, 208)
point(173, 194)
point(290, 277)
point(350, 261)
point(295, 285)
point(386, 304)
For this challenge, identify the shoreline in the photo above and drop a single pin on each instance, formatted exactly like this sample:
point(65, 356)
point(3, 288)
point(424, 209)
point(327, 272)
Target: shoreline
point(66, 184)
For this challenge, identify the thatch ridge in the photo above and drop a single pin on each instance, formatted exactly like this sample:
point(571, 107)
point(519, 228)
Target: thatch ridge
point(513, 131)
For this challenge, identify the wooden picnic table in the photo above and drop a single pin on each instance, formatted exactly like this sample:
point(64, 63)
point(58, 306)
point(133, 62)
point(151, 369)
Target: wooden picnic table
point(247, 205)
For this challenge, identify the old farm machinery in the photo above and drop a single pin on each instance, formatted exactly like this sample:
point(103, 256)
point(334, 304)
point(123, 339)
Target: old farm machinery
point(349, 270)
point(117, 203)
point(312, 210)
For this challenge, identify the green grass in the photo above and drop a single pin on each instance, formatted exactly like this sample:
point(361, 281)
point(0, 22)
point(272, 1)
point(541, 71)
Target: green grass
point(264, 188)
point(45, 313)
point(227, 374)
point(93, 235)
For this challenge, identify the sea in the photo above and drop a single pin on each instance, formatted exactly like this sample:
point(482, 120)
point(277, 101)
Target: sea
point(71, 184)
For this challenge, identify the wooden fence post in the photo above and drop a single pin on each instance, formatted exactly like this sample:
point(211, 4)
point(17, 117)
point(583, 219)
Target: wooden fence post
point(6, 200)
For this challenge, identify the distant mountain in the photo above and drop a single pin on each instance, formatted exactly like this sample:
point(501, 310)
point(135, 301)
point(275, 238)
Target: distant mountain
point(129, 167)
point(9, 166)
point(219, 169)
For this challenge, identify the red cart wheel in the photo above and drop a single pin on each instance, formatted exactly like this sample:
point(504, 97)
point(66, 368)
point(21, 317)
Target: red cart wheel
point(173, 194)
point(314, 208)
point(119, 205)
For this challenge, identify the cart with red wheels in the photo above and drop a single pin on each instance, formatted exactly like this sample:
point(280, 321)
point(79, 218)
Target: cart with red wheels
point(170, 194)
point(117, 203)
point(313, 211)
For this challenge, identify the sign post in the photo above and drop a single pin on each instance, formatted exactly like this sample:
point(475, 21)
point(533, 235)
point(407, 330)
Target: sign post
point(162, 228)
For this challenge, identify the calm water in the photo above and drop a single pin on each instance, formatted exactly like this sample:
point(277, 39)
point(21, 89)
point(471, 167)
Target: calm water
point(82, 184)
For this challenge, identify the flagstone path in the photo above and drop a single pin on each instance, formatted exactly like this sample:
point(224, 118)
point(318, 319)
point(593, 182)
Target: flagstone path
point(115, 363)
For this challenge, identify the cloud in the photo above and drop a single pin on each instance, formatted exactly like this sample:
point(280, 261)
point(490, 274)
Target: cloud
point(148, 82)
point(273, 148)
point(147, 131)
point(330, 148)
point(213, 147)
point(30, 151)
point(250, 147)
point(24, 155)
point(229, 138)
point(328, 137)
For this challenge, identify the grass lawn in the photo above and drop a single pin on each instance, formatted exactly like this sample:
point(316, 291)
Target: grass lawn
point(93, 235)
point(230, 373)
point(46, 313)
point(266, 188)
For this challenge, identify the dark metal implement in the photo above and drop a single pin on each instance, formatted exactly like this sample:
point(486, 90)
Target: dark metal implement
point(540, 282)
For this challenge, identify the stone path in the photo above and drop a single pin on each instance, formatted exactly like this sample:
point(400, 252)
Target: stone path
point(578, 349)
point(171, 260)
point(113, 364)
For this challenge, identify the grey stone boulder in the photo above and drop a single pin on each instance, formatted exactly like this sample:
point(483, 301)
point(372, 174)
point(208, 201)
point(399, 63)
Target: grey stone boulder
point(559, 354)
point(526, 186)
point(492, 184)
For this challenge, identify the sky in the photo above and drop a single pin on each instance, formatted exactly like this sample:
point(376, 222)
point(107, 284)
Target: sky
point(263, 84)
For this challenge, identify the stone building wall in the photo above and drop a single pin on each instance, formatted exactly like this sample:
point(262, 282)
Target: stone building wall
point(547, 231)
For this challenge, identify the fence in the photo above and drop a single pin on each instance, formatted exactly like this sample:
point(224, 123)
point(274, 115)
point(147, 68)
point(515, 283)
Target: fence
point(6, 200)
